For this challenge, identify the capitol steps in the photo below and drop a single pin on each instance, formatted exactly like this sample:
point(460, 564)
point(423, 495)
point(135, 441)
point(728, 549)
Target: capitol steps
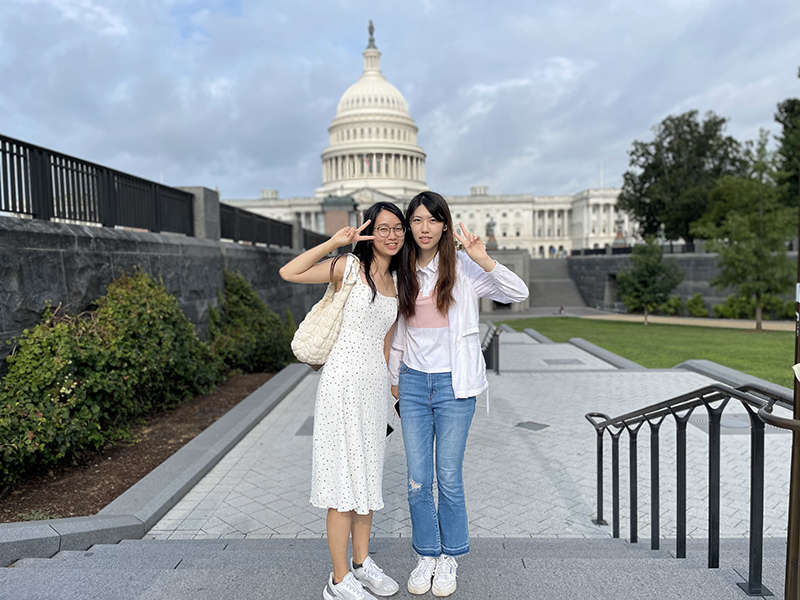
point(512, 568)
point(550, 285)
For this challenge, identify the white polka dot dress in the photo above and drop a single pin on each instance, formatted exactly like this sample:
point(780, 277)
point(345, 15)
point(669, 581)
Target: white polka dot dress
point(351, 410)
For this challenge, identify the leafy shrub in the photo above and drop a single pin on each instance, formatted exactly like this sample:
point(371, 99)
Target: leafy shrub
point(76, 382)
point(774, 307)
point(789, 310)
point(696, 306)
point(245, 334)
point(671, 307)
point(736, 307)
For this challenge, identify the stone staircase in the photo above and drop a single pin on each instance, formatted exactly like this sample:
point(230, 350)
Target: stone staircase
point(512, 568)
point(551, 286)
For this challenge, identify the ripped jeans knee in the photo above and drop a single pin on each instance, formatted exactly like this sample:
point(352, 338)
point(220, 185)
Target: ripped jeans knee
point(413, 486)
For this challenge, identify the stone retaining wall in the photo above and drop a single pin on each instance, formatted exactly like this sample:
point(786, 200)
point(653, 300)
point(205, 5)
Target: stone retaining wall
point(595, 276)
point(71, 265)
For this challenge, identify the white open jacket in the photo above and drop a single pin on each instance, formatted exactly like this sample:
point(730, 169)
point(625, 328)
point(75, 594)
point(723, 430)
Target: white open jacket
point(466, 359)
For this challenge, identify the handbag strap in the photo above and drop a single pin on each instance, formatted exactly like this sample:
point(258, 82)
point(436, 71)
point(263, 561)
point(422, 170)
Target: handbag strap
point(352, 270)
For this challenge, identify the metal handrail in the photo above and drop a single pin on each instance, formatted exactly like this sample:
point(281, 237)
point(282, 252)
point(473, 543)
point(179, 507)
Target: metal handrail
point(490, 346)
point(757, 400)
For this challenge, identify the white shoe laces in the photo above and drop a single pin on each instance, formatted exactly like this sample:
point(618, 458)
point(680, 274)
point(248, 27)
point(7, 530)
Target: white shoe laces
point(351, 584)
point(425, 567)
point(372, 570)
point(446, 569)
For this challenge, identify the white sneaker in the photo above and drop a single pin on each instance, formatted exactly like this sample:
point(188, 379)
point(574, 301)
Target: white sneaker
point(419, 582)
point(444, 580)
point(372, 577)
point(347, 589)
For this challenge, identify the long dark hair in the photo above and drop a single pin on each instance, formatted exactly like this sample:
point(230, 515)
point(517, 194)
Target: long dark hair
point(407, 274)
point(364, 250)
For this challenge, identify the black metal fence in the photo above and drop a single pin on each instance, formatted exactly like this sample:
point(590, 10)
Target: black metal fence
point(588, 252)
point(669, 248)
point(311, 239)
point(243, 226)
point(49, 185)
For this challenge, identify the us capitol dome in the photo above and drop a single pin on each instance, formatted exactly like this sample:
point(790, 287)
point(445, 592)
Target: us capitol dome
point(372, 155)
point(373, 139)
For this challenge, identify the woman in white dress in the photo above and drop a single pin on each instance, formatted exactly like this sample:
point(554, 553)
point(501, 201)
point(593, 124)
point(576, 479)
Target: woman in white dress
point(353, 397)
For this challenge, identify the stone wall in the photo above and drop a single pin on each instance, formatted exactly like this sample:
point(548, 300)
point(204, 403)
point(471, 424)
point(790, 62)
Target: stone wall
point(595, 277)
point(71, 265)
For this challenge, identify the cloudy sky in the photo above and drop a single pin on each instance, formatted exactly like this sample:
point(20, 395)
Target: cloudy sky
point(537, 97)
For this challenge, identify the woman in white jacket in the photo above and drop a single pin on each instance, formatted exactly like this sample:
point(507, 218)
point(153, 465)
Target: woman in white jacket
point(436, 370)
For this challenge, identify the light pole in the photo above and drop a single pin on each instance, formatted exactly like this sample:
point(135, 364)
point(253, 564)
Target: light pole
point(792, 584)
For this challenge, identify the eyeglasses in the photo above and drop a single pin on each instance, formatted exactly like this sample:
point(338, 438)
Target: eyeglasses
point(384, 230)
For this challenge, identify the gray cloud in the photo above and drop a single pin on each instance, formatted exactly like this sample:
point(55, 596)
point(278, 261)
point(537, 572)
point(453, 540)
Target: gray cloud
point(524, 97)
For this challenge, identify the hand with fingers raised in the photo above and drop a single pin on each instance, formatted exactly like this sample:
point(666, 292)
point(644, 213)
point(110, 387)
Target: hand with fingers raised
point(351, 235)
point(472, 243)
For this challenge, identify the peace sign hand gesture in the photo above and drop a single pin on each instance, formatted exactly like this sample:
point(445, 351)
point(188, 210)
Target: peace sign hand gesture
point(472, 243)
point(349, 235)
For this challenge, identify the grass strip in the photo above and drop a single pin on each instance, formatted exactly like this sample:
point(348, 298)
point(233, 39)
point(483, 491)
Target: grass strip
point(766, 354)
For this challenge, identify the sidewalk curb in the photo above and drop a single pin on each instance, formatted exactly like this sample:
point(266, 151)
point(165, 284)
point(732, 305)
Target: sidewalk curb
point(606, 355)
point(538, 336)
point(731, 377)
point(134, 512)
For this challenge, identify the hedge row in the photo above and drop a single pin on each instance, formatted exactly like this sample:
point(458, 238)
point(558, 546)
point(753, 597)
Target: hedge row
point(77, 382)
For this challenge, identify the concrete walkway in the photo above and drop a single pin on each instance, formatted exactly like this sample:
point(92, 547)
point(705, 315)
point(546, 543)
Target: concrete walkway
point(585, 312)
point(529, 468)
point(697, 321)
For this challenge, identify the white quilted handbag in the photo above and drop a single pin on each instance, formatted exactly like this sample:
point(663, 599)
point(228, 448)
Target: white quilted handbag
point(316, 334)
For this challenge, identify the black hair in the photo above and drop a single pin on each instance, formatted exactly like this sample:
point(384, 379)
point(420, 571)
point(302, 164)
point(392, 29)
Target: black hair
point(364, 250)
point(407, 276)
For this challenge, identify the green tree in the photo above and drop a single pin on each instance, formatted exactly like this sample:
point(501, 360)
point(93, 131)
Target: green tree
point(649, 281)
point(671, 176)
point(788, 153)
point(749, 227)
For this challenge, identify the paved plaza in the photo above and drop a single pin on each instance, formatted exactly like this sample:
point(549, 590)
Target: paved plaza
point(535, 480)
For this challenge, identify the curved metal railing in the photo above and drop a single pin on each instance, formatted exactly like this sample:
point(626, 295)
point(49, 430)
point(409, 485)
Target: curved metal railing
point(757, 400)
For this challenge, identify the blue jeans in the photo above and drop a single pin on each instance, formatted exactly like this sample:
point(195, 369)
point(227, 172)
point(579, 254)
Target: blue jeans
point(430, 412)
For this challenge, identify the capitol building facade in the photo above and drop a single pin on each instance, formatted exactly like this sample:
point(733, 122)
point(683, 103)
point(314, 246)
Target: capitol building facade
point(373, 155)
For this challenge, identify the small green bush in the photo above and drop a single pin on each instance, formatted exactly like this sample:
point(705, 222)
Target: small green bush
point(76, 382)
point(245, 334)
point(673, 306)
point(774, 308)
point(736, 307)
point(789, 310)
point(696, 306)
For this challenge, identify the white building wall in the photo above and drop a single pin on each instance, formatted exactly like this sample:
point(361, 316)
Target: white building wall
point(546, 226)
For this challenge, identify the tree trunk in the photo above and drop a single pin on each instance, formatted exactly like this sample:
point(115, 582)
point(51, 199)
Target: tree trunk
point(758, 312)
point(645, 314)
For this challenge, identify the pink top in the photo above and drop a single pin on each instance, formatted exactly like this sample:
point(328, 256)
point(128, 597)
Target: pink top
point(428, 331)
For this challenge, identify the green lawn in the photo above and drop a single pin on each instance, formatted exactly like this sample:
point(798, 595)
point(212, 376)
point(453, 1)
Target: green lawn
point(768, 355)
